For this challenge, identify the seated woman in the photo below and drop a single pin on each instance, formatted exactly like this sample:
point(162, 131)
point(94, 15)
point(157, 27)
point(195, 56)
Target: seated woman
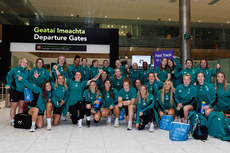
point(117, 80)
point(223, 93)
point(101, 79)
point(58, 102)
point(205, 92)
point(37, 108)
point(165, 100)
point(185, 95)
point(126, 99)
point(153, 85)
point(109, 100)
point(137, 83)
point(145, 109)
point(91, 96)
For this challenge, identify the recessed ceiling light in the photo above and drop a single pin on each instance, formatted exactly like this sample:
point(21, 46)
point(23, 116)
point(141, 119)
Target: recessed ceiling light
point(125, 26)
point(112, 26)
point(170, 19)
point(228, 21)
point(108, 26)
point(122, 26)
point(138, 18)
point(105, 16)
point(199, 20)
point(2, 11)
point(71, 14)
point(27, 23)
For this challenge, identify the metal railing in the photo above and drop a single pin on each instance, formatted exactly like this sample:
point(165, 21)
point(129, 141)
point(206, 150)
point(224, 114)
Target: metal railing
point(4, 95)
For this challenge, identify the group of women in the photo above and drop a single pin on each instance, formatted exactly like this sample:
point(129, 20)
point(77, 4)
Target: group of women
point(144, 94)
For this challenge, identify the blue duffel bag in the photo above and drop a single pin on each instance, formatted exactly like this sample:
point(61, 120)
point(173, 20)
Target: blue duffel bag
point(28, 95)
point(179, 131)
point(165, 122)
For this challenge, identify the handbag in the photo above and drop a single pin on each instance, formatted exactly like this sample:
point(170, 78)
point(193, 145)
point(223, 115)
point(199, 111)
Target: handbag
point(22, 121)
point(179, 131)
point(165, 122)
point(28, 95)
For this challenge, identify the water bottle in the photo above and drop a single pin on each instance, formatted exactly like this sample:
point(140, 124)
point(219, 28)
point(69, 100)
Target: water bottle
point(122, 114)
point(202, 105)
point(97, 105)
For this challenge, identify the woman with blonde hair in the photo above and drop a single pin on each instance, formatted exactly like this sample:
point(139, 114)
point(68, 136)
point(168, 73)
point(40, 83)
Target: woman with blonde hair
point(165, 100)
point(93, 100)
point(61, 68)
point(16, 87)
point(58, 102)
point(145, 109)
point(117, 80)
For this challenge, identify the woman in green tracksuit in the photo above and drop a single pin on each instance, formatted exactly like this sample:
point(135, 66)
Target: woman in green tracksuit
point(75, 102)
point(61, 68)
point(84, 69)
point(107, 68)
point(134, 73)
point(94, 69)
point(117, 80)
point(58, 102)
point(37, 107)
point(145, 109)
point(93, 100)
point(101, 79)
point(162, 72)
point(165, 100)
point(223, 93)
point(39, 74)
point(126, 100)
point(174, 70)
point(109, 100)
point(153, 85)
point(16, 87)
point(188, 70)
point(205, 92)
point(185, 95)
point(208, 73)
point(145, 72)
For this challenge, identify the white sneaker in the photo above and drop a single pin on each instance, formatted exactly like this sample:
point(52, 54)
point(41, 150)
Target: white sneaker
point(12, 123)
point(63, 118)
point(79, 124)
point(151, 128)
point(32, 129)
point(109, 119)
point(129, 126)
point(116, 123)
point(48, 127)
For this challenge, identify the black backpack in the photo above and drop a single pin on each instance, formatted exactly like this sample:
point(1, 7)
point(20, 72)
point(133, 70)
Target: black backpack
point(200, 132)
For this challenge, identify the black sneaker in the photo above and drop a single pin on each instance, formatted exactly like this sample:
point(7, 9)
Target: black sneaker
point(88, 123)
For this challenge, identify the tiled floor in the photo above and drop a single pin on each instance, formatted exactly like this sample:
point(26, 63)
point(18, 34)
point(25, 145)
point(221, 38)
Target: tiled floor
point(100, 138)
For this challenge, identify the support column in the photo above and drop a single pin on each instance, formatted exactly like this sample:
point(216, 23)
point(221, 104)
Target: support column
point(185, 30)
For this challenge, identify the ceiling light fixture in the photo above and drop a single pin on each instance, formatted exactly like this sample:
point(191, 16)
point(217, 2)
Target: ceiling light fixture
point(199, 20)
point(213, 2)
point(71, 14)
point(105, 16)
point(228, 21)
point(138, 18)
point(2, 11)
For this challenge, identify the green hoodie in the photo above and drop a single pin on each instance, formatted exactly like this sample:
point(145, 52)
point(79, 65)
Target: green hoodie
point(208, 73)
point(85, 72)
point(162, 75)
point(166, 104)
point(44, 75)
point(107, 100)
point(223, 100)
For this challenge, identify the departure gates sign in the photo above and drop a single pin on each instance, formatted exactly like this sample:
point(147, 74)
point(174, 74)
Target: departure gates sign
point(158, 55)
point(59, 34)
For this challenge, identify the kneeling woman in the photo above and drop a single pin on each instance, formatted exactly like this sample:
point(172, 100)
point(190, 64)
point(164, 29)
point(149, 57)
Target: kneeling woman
point(165, 100)
point(92, 96)
point(109, 99)
point(126, 99)
point(145, 109)
point(58, 102)
point(185, 95)
point(37, 108)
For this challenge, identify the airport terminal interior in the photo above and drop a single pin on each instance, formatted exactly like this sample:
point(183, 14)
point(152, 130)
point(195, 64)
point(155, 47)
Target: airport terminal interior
point(144, 27)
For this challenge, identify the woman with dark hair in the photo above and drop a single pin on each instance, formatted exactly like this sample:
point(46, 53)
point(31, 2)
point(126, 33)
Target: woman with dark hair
point(37, 107)
point(174, 70)
point(75, 101)
point(94, 69)
point(109, 100)
point(61, 68)
point(223, 93)
point(93, 104)
point(188, 70)
point(162, 73)
point(75, 66)
point(145, 72)
point(58, 102)
point(84, 69)
point(145, 109)
point(208, 73)
point(165, 100)
point(39, 74)
point(205, 92)
point(126, 100)
point(16, 87)
point(137, 83)
point(101, 80)
point(185, 95)
point(134, 73)
point(153, 85)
